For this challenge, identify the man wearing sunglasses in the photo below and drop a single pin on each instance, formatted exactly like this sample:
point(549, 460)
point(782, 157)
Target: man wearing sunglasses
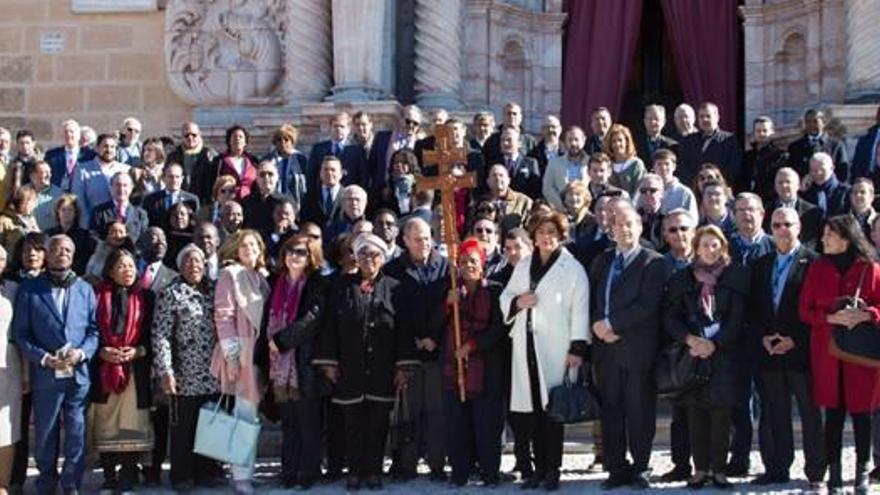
point(648, 201)
point(385, 143)
point(785, 354)
point(130, 146)
point(259, 205)
point(196, 158)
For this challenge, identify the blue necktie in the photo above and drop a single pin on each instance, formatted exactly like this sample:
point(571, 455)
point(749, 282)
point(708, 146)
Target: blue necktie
point(613, 274)
point(778, 283)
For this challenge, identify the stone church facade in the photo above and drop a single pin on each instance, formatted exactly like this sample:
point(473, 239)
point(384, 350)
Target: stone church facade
point(264, 62)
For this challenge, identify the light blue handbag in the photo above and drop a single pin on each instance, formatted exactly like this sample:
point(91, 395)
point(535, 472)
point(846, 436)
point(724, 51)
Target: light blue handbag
point(224, 437)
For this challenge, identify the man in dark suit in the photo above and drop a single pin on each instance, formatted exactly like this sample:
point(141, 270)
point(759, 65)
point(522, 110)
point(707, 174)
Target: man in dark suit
point(628, 289)
point(749, 242)
point(439, 116)
point(385, 143)
point(600, 124)
point(785, 354)
point(64, 159)
point(119, 208)
point(762, 161)
point(159, 203)
point(259, 205)
point(787, 185)
point(549, 146)
point(197, 160)
point(525, 176)
point(653, 138)
point(493, 149)
point(814, 140)
point(710, 145)
point(342, 146)
point(826, 191)
point(323, 202)
point(55, 329)
point(865, 163)
point(459, 140)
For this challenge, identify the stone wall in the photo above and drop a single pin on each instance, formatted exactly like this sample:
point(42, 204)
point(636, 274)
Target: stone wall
point(111, 66)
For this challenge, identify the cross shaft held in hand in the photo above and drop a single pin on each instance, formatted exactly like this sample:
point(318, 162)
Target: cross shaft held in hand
point(445, 156)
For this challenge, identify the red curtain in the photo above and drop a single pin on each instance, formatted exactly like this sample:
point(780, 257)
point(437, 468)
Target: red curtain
point(601, 39)
point(703, 35)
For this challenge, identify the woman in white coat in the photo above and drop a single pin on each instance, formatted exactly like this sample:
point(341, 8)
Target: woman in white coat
point(547, 301)
point(13, 379)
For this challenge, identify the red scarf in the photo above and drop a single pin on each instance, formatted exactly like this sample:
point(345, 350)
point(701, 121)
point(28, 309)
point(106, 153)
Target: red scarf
point(115, 376)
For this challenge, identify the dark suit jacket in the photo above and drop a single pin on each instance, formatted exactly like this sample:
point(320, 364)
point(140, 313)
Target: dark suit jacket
point(634, 309)
point(525, 176)
point(55, 157)
point(492, 148)
point(767, 320)
point(862, 156)
point(154, 204)
point(643, 148)
point(376, 165)
point(595, 144)
point(200, 176)
point(354, 163)
point(800, 151)
point(40, 329)
point(759, 171)
point(837, 201)
point(136, 220)
point(723, 150)
point(313, 210)
point(539, 152)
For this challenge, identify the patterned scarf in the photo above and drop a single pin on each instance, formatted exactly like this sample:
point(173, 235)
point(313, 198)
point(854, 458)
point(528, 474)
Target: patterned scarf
point(708, 276)
point(282, 312)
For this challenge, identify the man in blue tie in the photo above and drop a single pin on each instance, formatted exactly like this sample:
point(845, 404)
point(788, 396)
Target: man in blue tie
point(54, 326)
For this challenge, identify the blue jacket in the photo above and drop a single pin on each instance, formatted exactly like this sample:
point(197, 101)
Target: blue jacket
point(57, 160)
point(39, 328)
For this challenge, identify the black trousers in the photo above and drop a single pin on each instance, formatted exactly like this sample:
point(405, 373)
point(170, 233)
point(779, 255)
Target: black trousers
point(159, 417)
point(301, 447)
point(366, 427)
point(424, 392)
point(20, 463)
point(473, 427)
point(629, 417)
point(534, 431)
point(679, 437)
point(778, 386)
point(834, 420)
point(710, 436)
point(333, 423)
point(183, 418)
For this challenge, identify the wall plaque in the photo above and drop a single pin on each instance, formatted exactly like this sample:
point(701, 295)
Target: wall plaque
point(110, 6)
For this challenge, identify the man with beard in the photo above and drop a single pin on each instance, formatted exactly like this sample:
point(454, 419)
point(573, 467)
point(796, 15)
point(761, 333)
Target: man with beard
point(567, 168)
point(91, 182)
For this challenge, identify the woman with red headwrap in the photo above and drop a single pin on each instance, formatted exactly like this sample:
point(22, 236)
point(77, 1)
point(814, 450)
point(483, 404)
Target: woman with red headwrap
point(476, 422)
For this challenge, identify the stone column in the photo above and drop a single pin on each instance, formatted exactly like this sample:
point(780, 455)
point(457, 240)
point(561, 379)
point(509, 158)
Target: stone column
point(309, 51)
point(358, 49)
point(438, 53)
point(862, 55)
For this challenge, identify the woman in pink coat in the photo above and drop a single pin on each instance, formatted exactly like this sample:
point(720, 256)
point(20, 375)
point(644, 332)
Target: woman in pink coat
point(238, 311)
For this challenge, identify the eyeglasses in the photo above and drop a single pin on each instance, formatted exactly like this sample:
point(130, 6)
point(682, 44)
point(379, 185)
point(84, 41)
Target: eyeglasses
point(779, 225)
point(299, 252)
point(678, 228)
point(648, 190)
point(368, 255)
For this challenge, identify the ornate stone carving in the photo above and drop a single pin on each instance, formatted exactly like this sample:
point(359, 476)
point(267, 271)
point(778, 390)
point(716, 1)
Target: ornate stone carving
point(225, 52)
point(438, 52)
point(309, 55)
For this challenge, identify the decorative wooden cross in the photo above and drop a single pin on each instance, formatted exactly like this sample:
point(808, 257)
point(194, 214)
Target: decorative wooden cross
point(445, 156)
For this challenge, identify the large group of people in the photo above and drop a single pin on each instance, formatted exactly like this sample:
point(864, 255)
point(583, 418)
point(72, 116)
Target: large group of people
point(144, 279)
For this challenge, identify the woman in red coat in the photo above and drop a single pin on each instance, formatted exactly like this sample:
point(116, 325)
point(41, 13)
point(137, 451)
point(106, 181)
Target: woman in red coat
point(840, 387)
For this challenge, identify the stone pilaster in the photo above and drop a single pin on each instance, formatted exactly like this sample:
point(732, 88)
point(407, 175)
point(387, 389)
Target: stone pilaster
point(862, 55)
point(309, 51)
point(358, 49)
point(438, 53)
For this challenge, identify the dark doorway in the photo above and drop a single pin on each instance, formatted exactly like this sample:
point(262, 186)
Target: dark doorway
point(653, 78)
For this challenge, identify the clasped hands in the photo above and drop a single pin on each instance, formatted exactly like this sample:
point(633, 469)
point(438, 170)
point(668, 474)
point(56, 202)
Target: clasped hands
point(777, 344)
point(700, 347)
point(849, 317)
point(65, 361)
point(401, 376)
point(118, 355)
point(606, 334)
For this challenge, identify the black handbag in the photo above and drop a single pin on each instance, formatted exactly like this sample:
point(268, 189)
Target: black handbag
point(574, 402)
point(860, 344)
point(402, 424)
point(677, 371)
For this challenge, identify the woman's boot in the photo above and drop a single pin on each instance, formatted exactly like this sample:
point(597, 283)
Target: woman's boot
point(861, 484)
point(835, 478)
